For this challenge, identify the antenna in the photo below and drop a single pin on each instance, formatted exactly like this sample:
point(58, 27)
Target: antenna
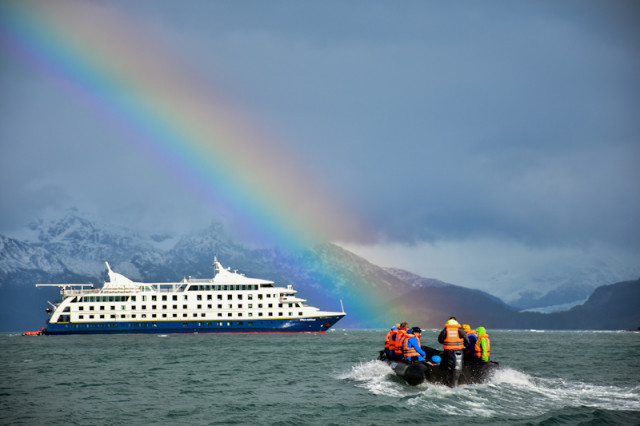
point(342, 306)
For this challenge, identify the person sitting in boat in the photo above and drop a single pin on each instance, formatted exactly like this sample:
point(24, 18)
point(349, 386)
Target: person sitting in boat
point(395, 350)
point(473, 338)
point(482, 347)
point(389, 340)
point(411, 349)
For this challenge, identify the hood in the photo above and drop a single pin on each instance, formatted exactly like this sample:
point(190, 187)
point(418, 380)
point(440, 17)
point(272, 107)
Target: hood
point(481, 330)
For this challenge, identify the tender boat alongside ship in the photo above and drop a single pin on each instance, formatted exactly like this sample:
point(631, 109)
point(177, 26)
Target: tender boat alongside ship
point(228, 302)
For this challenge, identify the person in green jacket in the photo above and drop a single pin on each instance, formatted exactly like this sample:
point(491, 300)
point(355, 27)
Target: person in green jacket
point(482, 349)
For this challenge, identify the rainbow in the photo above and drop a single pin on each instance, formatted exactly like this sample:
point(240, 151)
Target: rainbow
point(171, 114)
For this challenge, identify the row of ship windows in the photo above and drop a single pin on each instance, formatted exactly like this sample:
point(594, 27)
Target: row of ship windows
point(153, 324)
point(241, 287)
point(164, 307)
point(194, 315)
point(165, 297)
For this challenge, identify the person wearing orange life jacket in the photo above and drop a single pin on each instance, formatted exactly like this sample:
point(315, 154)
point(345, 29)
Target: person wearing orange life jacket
point(390, 339)
point(473, 338)
point(411, 349)
point(454, 340)
point(482, 348)
point(453, 336)
point(396, 345)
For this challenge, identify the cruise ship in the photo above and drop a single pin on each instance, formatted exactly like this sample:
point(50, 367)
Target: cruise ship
point(228, 302)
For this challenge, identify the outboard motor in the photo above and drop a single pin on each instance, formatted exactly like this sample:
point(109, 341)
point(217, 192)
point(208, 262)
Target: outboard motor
point(454, 367)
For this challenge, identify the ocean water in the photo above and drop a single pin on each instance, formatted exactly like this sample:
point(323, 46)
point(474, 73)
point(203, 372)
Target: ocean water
point(547, 377)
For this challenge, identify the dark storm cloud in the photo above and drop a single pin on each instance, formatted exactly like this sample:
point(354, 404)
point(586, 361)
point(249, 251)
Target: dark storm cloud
point(435, 121)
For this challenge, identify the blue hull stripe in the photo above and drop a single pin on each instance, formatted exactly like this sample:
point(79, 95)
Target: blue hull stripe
point(298, 325)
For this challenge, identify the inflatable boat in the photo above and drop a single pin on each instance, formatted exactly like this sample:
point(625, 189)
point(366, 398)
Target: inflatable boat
point(459, 371)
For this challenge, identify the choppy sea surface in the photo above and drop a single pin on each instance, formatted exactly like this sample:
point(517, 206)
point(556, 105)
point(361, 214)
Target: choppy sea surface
point(549, 377)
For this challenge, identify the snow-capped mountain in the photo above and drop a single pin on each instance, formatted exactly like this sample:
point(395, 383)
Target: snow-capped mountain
point(73, 249)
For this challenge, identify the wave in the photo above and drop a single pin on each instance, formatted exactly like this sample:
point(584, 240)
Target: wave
point(508, 394)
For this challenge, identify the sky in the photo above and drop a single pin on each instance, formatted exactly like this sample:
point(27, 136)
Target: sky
point(490, 144)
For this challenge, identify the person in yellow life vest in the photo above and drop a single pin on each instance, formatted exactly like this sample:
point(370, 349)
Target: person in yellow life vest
point(482, 348)
point(396, 345)
point(389, 340)
point(411, 349)
point(473, 338)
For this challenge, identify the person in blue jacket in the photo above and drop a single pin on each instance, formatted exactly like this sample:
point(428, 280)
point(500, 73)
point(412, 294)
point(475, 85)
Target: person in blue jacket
point(411, 349)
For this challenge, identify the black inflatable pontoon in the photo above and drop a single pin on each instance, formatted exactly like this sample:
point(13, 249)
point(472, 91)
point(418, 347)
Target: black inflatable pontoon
point(459, 370)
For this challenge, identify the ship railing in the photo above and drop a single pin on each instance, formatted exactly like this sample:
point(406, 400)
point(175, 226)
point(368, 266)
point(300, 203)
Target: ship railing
point(72, 289)
point(68, 292)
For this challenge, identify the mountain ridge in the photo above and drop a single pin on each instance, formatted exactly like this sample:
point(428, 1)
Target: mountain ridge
point(74, 249)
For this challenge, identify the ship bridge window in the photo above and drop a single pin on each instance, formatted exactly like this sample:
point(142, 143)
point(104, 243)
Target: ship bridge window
point(164, 298)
